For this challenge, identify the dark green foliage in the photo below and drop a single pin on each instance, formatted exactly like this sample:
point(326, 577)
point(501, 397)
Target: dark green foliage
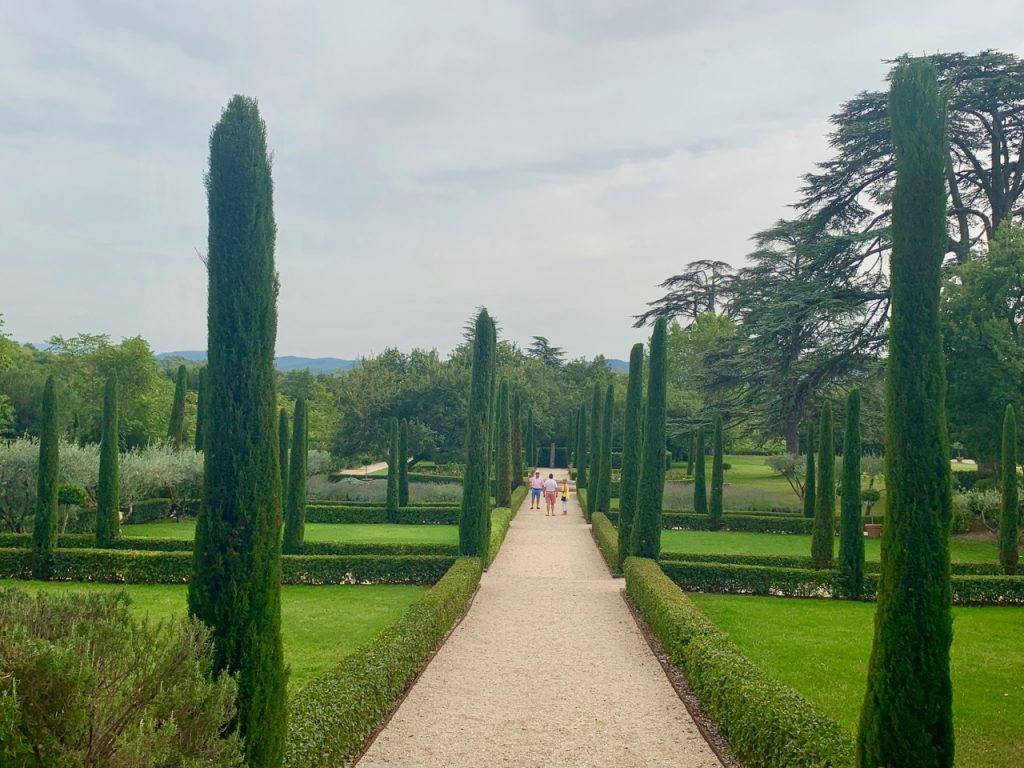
point(1009, 521)
point(295, 498)
point(501, 518)
point(632, 448)
point(503, 449)
point(108, 503)
point(756, 523)
point(44, 528)
point(810, 478)
point(907, 717)
point(850, 580)
point(518, 461)
point(767, 724)
point(531, 442)
point(348, 513)
point(607, 538)
point(475, 486)
point(282, 449)
point(236, 587)
point(691, 454)
point(403, 464)
point(201, 399)
point(581, 447)
point(645, 539)
point(391, 503)
point(716, 510)
point(176, 428)
point(329, 722)
point(700, 488)
point(823, 533)
point(594, 460)
point(604, 486)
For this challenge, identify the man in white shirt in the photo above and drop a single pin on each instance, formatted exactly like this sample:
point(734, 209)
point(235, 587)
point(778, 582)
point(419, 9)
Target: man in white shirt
point(550, 493)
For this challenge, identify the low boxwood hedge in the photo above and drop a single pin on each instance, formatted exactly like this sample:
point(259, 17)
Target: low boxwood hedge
point(518, 494)
point(500, 519)
point(607, 538)
point(767, 724)
point(800, 561)
point(331, 716)
point(346, 513)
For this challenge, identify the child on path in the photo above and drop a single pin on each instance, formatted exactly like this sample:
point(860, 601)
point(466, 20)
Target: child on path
point(535, 487)
point(565, 496)
point(550, 493)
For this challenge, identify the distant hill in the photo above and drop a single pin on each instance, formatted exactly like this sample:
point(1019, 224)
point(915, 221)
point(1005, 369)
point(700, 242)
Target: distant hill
point(618, 366)
point(283, 363)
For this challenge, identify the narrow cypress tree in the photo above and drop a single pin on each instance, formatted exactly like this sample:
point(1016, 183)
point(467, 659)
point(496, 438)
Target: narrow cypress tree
point(715, 511)
point(596, 432)
point(235, 588)
point(645, 539)
point(503, 497)
point(810, 477)
point(108, 503)
point(44, 528)
point(391, 503)
point(700, 489)
point(823, 530)
point(850, 579)
point(1009, 522)
point(475, 493)
point(604, 489)
point(690, 455)
point(201, 409)
point(581, 448)
point(282, 450)
point(531, 444)
point(176, 429)
point(632, 448)
point(403, 463)
point(491, 476)
point(518, 466)
point(295, 503)
point(908, 714)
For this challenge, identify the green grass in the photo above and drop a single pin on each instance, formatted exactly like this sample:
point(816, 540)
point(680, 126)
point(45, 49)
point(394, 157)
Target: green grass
point(354, 533)
point(821, 648)
point(962, 550)
point(320, 624)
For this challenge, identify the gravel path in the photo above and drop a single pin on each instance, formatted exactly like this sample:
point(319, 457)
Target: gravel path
point(547, 669)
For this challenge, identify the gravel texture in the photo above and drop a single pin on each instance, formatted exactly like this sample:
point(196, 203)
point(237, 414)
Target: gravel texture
point(547, 669)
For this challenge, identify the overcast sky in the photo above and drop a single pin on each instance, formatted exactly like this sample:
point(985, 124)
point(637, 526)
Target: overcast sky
point(552, 160)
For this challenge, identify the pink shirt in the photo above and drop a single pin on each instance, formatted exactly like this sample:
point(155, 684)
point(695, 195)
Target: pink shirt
point(536, 482)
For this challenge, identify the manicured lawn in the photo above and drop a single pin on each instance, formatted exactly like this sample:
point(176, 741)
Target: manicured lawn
point(320, 624)
point(821, 648)
point(741, 543)
point(355, 533)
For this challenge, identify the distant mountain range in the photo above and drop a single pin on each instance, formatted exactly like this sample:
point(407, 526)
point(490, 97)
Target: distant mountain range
point(283, 363)
point(618, 366)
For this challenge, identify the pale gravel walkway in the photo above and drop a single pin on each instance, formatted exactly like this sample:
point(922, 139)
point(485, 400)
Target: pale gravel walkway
point(547, 669)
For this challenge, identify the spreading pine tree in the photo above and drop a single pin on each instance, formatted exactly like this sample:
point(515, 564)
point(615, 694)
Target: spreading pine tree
point(645, 540)
point(596, 449)
point(604, 490)
point(476, 494)
point(44, 526)
point(700, 488)
point(632, 448)
point(503, 497)
point(236, 585)
point(295, 501)
point(716, 510)
point(907, 718)
point(200, 408)
point(823, 530)
point(1009, 521)
point(810, 477)
point(108, 502)
point(850, 578)
point(581, 447)
point(518, 466)
point(391, 503)
point(176, 429)
point(282, 449)
point(403, 463)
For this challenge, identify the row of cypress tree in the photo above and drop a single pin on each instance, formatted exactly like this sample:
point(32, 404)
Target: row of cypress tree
point(474, 516)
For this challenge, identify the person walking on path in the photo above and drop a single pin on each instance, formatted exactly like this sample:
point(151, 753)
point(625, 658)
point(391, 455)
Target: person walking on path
point(550, 493)
point(536, 484)
point(565, 496)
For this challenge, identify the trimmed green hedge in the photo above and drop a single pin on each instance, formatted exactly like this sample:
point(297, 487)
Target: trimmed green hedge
point(148, 510)
point(331, 716)
point(518, 494)
point(500, 519)
point(607, 539)
point(800, 561)
point(691, 521)
point(377, 504)
point(346, 513)
point(767, 724)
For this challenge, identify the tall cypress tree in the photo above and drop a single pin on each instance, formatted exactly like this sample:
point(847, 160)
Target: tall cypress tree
point(475, 493)
point(176, 429)
point(503, 497)
point(850, 579)
point(823, 530)
point(715, 511)
point(604, 489)
point(596, 424)
point(282, 450)
point(403, 463)
point(44, 528)
point(645, 539)
point(295, 503)
point(632, 448)
point(810, 477)
point(1009, 521)
point(581, 447)
point(908, 714)
point(689, 456)
point(201, 409)
point(700, 488)
point(518, 466)
point(235, 589)
point(492, 388)
point(108, 503)
point(391, 502)
point(531, 443)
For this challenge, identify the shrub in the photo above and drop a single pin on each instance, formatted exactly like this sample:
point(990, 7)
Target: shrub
point(822, 533)
point(851, 527)
point(607, 538)
point(403, 463)
point(108, 494)
point(645, 539)
point(715, 508)
point(473, 535)
point(295, 489)
point(332, 715)
point(44, 526)
point(343, 513)
point(131, 693)
point(632, 447)
point(603, 490)
point(500, 519)
point(1009, 517)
